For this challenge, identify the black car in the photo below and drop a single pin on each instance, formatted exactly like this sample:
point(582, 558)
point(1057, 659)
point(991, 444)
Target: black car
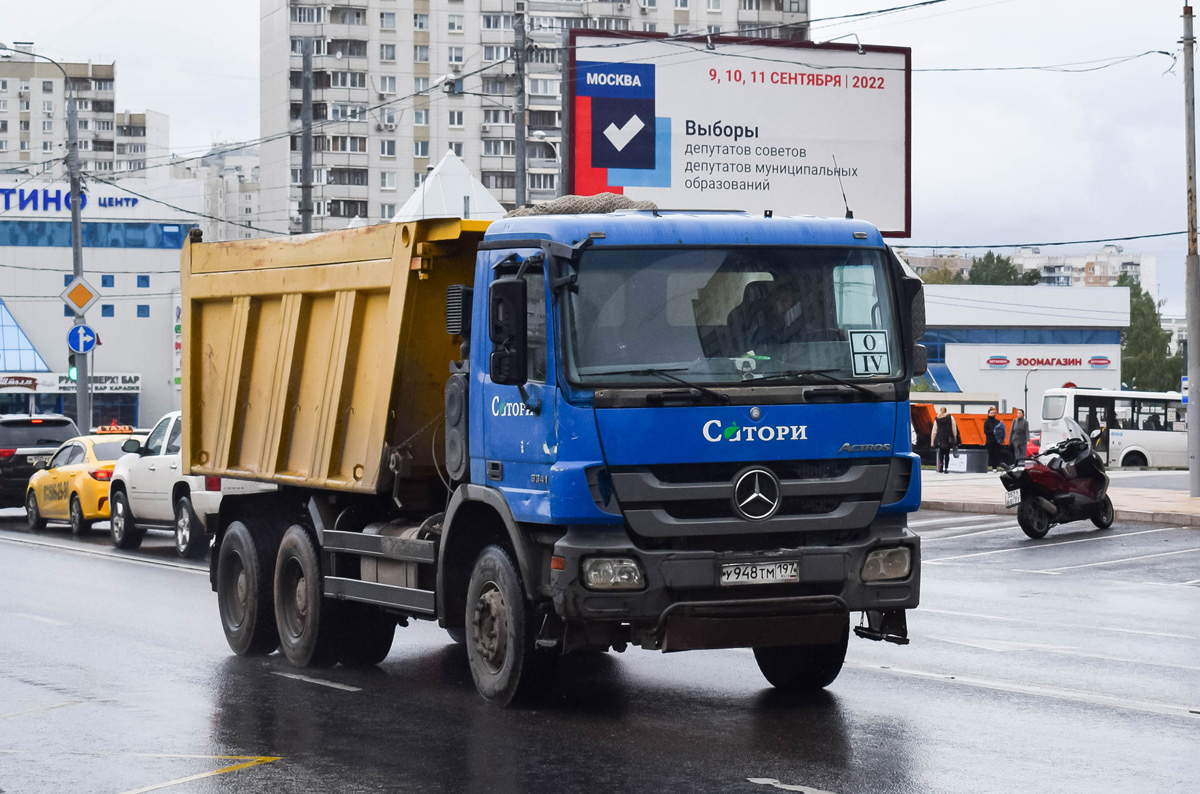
point(24, 442)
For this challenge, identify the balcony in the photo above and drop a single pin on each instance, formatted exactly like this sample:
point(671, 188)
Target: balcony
point(497, 131)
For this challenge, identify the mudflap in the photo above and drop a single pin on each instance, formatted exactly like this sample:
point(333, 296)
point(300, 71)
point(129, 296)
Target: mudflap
point(888, 625)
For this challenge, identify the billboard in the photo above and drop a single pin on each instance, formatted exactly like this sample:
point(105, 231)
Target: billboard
point(750, 124)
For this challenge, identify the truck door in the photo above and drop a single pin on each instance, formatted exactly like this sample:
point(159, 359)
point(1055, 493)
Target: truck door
point(518, 443)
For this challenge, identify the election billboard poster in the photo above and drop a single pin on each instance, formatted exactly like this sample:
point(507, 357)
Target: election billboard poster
point(728, 123)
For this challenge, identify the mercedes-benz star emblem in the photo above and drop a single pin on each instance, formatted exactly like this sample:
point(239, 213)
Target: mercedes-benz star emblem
point(756, 494)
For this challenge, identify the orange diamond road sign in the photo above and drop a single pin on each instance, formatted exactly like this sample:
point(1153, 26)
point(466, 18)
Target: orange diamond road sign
point(80, 295)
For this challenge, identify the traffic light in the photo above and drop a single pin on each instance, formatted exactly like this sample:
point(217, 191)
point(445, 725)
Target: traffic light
point(72, 367)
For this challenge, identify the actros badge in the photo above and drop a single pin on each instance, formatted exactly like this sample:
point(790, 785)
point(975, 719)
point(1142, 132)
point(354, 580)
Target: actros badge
point(756, 494)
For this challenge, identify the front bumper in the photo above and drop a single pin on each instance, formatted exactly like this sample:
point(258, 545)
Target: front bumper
point(683, 587)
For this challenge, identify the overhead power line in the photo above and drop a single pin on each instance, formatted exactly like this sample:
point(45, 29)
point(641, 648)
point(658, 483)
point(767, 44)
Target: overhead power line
point(1058, 242)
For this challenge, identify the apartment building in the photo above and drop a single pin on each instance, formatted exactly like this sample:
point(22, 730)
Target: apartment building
point(231, 193)
point(1098, 269)
point(33, 119)
point(399, 82)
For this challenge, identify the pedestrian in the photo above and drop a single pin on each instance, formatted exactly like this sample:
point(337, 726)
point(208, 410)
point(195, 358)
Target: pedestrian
point(943, 437)
point(1018, 436)
point(993, 436)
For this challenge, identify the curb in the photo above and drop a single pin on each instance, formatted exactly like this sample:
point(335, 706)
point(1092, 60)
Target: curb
point(990, 508)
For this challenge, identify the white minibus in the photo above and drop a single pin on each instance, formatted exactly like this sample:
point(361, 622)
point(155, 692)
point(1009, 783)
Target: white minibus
point(1138, 428)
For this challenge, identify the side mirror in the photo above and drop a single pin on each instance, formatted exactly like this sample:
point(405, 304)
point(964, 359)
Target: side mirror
point(920, 360)
point(131, 445)
point(507, 306)
point(1095, 434)
point(41, 465)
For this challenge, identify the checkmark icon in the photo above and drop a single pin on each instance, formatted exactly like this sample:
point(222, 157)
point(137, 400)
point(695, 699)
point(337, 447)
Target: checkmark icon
point(620, 137)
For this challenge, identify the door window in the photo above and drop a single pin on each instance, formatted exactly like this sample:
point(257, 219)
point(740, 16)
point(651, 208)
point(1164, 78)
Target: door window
point(61, 457)
point(78, 454)
point(154, 442)
point(173, 439)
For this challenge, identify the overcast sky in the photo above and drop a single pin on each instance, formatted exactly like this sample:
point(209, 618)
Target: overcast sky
point(998, 157)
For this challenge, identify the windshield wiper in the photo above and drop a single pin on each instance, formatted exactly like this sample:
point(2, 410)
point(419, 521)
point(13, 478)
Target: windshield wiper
point(666, 375)
point(820, 373)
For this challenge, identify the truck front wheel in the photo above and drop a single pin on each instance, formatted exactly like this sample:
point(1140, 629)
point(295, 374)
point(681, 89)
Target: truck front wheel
point(307, 621)
point(800, 668)
point(501, 629)
point(245, 563)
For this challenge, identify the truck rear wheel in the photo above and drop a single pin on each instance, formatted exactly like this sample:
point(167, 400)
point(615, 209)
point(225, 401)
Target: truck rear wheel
point(245, 563)
point(308, 625)
point(367, 634)
point(501, 629)
point(802, 668)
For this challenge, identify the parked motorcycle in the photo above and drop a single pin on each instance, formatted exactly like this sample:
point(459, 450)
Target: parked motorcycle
point(1066, 482)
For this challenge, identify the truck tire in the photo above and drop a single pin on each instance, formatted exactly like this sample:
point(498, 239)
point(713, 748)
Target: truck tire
point(803, 668)
point(367, 634)
point(79, 524)
point(190, 540)
point(245, 594)
point(458, 635)
point(33, 516)
point(307, 621)
point(501, 630)
point(125, 532)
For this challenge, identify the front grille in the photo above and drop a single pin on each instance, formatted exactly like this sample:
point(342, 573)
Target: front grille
point(753, 542)
point(696, 499)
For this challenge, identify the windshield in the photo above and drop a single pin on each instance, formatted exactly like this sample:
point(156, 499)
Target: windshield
point(727, 315)
point(1054, 406)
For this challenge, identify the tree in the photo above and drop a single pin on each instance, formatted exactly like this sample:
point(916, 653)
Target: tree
point(943, 275)
point(1145, 362)
point(992, 269)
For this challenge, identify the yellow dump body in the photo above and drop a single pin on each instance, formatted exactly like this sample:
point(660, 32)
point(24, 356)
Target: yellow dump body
point(305, 357)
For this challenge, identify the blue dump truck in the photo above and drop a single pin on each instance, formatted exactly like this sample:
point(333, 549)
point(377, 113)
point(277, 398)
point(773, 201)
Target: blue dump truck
point(560, 433)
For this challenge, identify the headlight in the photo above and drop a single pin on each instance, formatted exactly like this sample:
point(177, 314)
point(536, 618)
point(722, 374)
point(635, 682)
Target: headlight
point(612, 573)
point(884, 564)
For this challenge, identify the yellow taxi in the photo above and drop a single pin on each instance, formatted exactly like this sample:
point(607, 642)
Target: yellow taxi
point(73, 487)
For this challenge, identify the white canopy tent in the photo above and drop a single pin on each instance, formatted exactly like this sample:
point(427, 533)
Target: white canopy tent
point(451, 191)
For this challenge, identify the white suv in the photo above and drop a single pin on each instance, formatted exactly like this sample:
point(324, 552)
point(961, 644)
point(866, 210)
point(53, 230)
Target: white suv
point(149, 489)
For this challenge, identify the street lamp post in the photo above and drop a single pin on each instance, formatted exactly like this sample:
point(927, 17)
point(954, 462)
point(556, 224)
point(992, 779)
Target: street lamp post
point(83, 402)
point(1027, 374)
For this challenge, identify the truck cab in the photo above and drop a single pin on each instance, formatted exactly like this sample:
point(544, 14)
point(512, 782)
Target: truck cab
point(700, 413)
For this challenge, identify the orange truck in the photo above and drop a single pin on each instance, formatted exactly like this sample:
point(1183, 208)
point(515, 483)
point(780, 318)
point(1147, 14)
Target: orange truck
point(970, 431)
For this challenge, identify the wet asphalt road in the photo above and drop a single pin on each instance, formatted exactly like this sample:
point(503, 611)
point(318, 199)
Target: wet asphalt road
point(1069, 664)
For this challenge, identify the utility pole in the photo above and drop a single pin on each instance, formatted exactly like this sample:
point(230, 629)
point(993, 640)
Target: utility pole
point(519, 111)
point(83, 391)
point(306, 119)
point(1193, 259)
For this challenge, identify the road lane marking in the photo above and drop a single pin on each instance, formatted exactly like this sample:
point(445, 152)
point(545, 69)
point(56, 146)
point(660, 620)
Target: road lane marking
point(41, 709)
point(1005, 528)
point(1114, 562)
point(1003, 646)
point(770, 781)
point(252, 762)
point(1194, 581)
point(322, 682)
point(107, 555)
point(929, 610)
point(1034, 690)
point(39, 619)
point(1049, 545)
point(960, 518)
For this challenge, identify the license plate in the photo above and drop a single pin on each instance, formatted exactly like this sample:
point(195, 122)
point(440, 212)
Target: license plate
point(1012, 498)
point(760, 573)
point(34, 460)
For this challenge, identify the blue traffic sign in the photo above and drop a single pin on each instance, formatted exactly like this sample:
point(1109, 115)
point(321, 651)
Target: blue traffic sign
point(81, 339)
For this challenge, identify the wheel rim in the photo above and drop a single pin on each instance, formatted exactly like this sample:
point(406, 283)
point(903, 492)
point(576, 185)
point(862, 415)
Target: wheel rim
point(491, 627)
point(76, 514)
point(31, 508)
point(235, 584)
point(293, 599)
point(183, 530)
point(118, 519)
